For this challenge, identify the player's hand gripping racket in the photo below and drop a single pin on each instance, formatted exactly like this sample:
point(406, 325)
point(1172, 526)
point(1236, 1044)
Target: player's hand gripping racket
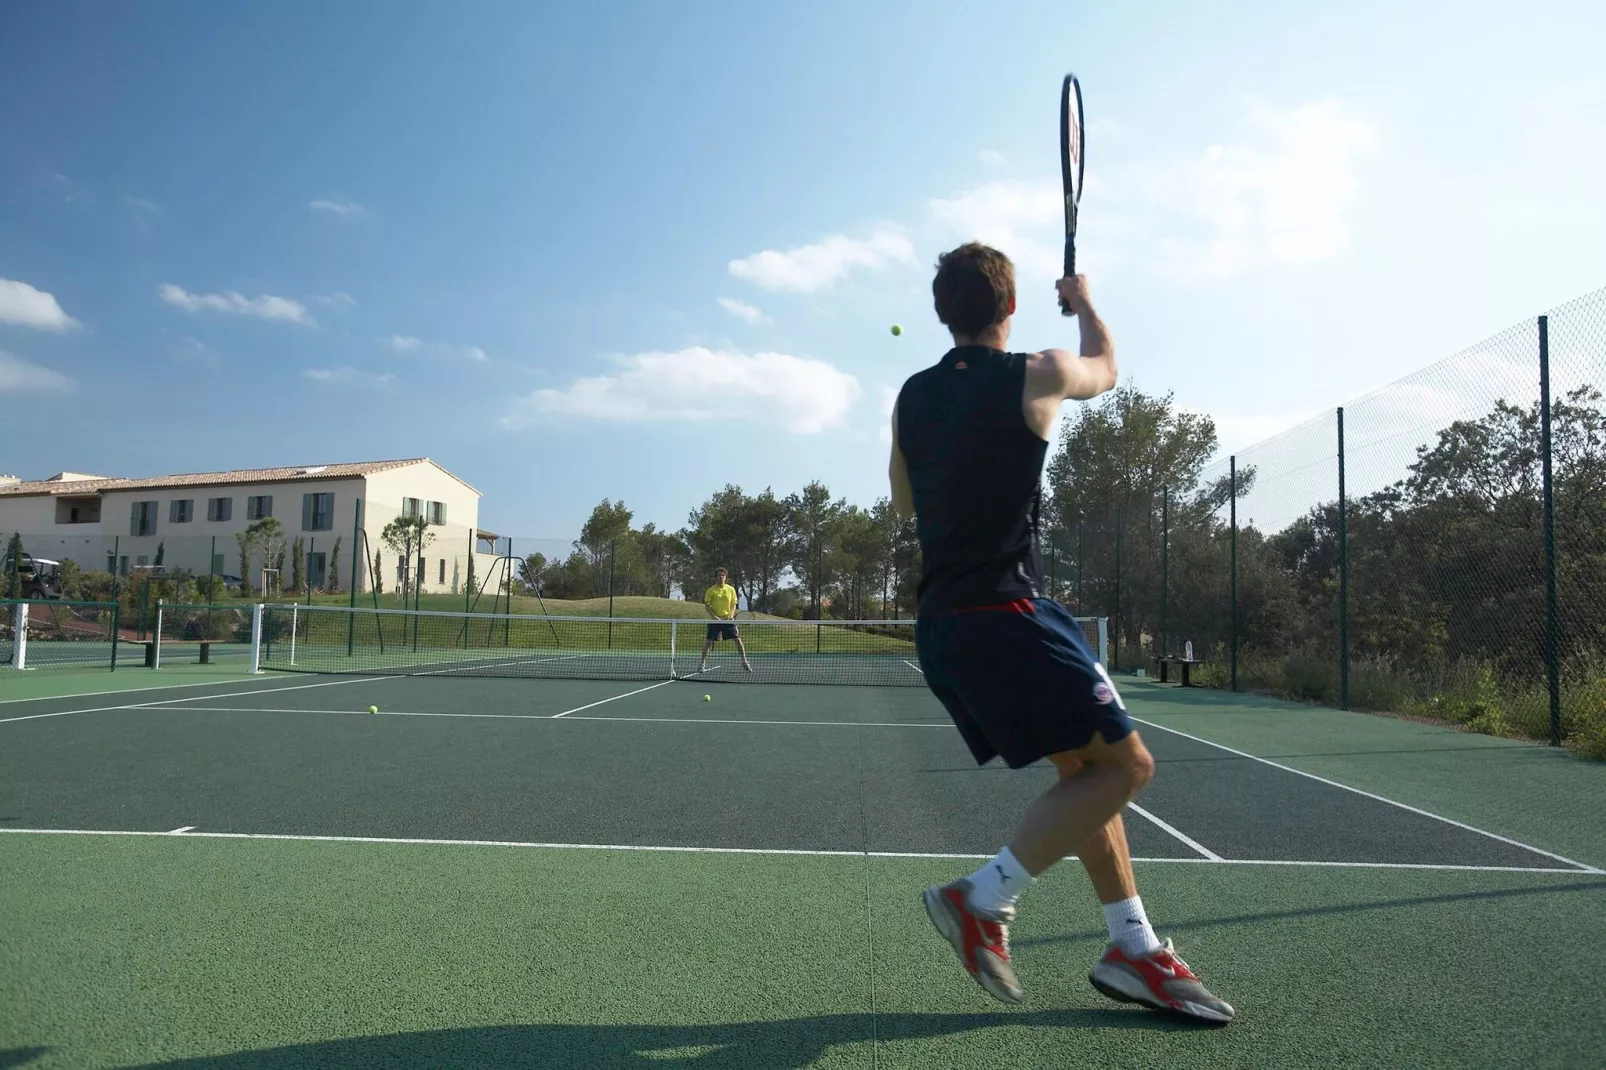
point(1070, 169)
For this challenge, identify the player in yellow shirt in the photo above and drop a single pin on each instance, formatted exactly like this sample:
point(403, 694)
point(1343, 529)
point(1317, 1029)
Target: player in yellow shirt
point(720, 600)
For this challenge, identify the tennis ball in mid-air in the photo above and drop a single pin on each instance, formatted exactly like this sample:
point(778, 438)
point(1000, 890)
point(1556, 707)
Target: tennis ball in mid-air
point(896, 330)
point(708, 698)
point(373, 709)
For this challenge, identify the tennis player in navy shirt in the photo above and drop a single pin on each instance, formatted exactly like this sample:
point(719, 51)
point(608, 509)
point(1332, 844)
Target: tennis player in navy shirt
point(1011, 665)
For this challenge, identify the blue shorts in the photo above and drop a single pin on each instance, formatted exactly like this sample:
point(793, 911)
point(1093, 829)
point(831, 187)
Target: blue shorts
point(1019, 680)
point(716, 632)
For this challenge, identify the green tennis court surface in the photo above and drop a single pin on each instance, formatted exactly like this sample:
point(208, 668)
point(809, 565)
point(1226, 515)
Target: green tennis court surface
point(252, 872)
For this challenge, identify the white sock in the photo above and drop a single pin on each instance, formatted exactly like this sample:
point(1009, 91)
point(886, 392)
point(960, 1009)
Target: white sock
point(999, 883)
point(1129, 926)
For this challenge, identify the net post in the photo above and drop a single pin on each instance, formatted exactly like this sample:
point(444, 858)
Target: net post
point(672, 626)
point(1552, 622)
point(256, 639)
point(1343, 573)
point(293, 623)
point(1232, 568)
point(19, 644)
point(117, 627)
point(156, 636)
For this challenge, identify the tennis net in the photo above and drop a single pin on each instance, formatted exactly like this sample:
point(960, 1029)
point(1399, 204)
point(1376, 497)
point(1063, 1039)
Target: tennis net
point(327, 639)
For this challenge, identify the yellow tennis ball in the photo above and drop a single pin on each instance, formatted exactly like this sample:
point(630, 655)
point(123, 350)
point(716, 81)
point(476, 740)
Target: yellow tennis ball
point(373, 709)
point(708, 698)
point(896, 330)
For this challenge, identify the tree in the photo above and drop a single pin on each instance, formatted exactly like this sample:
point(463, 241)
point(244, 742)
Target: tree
point(813, 519)
point(1122, 464)
point(266, 536)
point(379, 572)
point(530, 572)
point(161, 550)
point(298, 557)
point(13, 566)
point(333, 583)
point(247, 541)
point(407, 536)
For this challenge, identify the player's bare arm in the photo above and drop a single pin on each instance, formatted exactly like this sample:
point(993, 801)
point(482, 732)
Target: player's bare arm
point(903, 495)
point(1057, 375)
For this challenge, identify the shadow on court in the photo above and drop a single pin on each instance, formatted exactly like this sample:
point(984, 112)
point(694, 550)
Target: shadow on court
point(1172, 925)
point(796, 1042)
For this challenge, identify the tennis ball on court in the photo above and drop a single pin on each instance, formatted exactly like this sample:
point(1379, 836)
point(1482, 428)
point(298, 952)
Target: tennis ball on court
point(373, 709)
point(708, 698)
point(896, 330)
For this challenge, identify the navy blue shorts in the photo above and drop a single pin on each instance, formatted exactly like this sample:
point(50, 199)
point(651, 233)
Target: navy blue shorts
point(716, 632)
point(1020, 681)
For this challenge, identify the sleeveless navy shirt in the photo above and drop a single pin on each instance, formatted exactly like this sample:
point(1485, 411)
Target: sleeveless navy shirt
point(974, 466)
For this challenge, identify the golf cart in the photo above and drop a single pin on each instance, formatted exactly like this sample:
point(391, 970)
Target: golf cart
point(39, 576)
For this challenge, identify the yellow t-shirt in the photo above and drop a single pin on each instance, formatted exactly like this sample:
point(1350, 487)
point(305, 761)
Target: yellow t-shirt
point(721, 598)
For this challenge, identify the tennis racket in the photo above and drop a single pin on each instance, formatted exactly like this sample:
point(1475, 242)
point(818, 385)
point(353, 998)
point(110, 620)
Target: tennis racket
point(1070, 168)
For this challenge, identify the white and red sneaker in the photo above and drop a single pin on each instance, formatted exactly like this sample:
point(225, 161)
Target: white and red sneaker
point(980, 936)
point(1157, 979)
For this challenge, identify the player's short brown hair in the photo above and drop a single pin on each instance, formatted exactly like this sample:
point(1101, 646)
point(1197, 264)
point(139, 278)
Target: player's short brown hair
point(974, 288)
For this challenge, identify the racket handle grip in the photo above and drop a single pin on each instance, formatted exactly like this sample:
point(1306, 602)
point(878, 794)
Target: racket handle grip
point(1070, 272)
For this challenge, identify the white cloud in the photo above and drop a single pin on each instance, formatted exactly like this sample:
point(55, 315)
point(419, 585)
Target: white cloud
point(1282, 195)
point(404, 343)
point(817, 267)
point(743, 311)
point(802, 395)
point(344, 373)
point(336, 207)
point(338, 299)
point(27, 307)
point(142, 206)
point(1285, 198)
point(266, 307)
point(992, 157)
point(1024, 219)
point(192, 350)
point(889, 399)
point(18, 376)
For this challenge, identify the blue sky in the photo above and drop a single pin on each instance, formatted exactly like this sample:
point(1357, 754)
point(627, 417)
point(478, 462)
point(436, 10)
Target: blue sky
point(641, 251)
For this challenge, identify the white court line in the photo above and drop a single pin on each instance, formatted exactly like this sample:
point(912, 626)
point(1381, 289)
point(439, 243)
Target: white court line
point(782, 851)
point(733, 720)
point(125, 691)
point(193, 698)
point(180, 831)
point(553, 717)
point(1378, 798)
point(1195, 844)
point(615, 698)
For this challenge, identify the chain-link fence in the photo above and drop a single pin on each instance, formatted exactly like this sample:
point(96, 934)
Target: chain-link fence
point(1437, 547)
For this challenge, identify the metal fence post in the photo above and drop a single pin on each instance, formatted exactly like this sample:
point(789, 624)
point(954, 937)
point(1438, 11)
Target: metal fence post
point(1079, 568)
point(1232, 633)
point(1552, 624)
point(1165, 569)
point(1115, 613)
point(1343, 573)
point(358, 545)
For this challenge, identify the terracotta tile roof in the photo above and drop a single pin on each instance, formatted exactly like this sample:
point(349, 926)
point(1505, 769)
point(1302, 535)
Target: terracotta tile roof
point(72, 487)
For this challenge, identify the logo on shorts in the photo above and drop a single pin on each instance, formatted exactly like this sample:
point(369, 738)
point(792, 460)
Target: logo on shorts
point(1103, 693)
